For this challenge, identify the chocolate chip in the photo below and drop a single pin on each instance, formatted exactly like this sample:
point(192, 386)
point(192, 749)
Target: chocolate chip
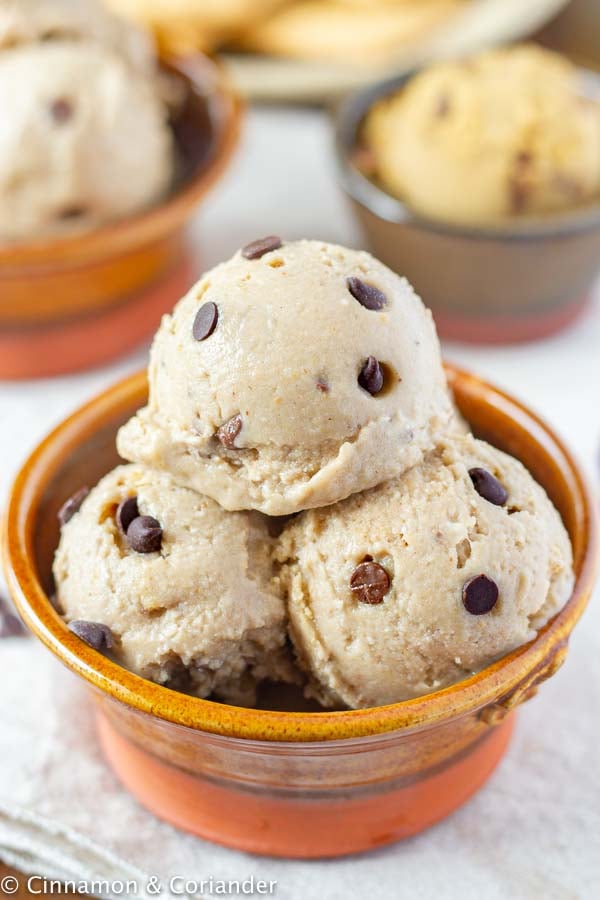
point(519, 186)
point(371, 376)
point(488, 487)
point(322, 386)
point(228, 432)
point(369, 582)
point(480, 595)
point(72, 505)
point(71, 212)
point(519, 197)
point(367, 294)
point(144, 535)
point(524, 158)
point(98, 636)
point(205, 321)
point(263, 245)
point(127, 511)
point(442, 107)
point(10, 625)
point(61, 110)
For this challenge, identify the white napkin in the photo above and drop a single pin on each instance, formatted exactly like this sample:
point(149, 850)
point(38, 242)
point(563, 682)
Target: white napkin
point(531, 833)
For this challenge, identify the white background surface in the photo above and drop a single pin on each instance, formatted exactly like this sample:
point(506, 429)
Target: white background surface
point(534, 831)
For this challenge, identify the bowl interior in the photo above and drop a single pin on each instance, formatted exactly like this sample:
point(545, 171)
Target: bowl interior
point(196, 120)
point(82, 449)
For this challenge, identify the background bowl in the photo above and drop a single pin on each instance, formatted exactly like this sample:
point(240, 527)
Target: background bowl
point(303, 784)
point(517, 281)
point(75, 301)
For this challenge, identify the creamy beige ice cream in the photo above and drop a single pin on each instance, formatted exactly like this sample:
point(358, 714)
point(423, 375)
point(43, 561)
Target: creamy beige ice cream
point(416, 584)
point(27, 22)
point(84, 135)
point(306, 378)
point(506, 133)
point(292, 379)
point(182, 586)
point(82, 141)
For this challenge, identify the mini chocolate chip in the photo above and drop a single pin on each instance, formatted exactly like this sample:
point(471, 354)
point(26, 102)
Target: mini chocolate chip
point(71, 212)
point(127, 511)
point(205, 321)
point(488, 487)
point(371, 376)
point(442, 107)
point(258, 248)
point(480, 595)
point(228, 432)
point(370, 582)
point(322, 386)
point(367, 294)
point(72, 505)
point(519, 196)
point(524, 158)
point(519, 187)
point(144, 535)
point(98, 636)
point(10, 625)
point(61, 110)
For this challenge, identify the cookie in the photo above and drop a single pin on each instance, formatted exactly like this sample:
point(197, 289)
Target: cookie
point(183, 26)
point(346, 31)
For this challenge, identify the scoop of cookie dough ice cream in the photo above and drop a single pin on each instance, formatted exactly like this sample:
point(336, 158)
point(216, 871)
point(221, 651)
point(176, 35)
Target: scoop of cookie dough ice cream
point(426, 579)
point(83, 140)
point(290, 377)
point(182, 585)
point(506, 133)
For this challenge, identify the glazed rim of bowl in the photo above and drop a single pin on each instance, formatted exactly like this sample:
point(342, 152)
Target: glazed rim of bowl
point(206, 78)
point(348, 121)
point(462, 698)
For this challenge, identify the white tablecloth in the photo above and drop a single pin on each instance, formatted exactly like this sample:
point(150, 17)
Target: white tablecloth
point(533, 832)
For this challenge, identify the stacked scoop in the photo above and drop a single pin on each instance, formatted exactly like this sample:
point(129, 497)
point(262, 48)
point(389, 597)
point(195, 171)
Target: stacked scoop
point(304, 381)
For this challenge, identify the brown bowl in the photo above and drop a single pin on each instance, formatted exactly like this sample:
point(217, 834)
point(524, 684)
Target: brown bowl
point(77, 300)
point(308, 783)
point(516, 281)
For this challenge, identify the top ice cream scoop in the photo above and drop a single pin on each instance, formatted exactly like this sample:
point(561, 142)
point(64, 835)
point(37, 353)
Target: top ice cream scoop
point(292, 376)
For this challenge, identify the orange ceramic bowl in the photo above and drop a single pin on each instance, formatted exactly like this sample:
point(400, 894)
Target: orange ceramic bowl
point(75, 301)
point(304, 783)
